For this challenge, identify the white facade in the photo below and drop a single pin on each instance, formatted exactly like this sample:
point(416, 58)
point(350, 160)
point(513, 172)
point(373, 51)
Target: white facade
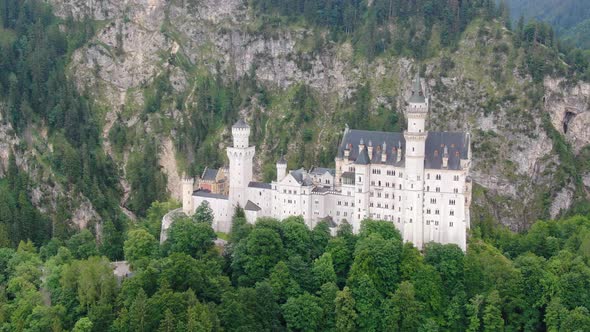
point(417, 180)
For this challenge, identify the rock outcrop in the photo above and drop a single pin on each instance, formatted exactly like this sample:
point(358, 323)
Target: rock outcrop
point(513, 155)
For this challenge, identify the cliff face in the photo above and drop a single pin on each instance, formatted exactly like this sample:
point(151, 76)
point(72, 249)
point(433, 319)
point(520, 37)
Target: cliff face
point(479, 88)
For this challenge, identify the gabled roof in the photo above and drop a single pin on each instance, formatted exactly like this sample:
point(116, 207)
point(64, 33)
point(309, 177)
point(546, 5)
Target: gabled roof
point(322, 171)
point(250, 206)
point(301, 177)
point(209, 174)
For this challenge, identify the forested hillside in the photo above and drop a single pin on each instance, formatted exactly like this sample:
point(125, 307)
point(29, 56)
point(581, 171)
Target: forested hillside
point(570, 18)
point(105, 104)
point(282, 276)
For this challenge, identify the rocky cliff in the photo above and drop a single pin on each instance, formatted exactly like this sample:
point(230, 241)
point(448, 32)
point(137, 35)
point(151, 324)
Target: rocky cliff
point(480, 88)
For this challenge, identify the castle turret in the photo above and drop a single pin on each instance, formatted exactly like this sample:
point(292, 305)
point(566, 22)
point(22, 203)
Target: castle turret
point(240, 163)
point(281, 168)
point(187, 195)
point(414, 164)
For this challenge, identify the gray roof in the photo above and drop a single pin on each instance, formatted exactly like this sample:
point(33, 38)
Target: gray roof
point(302, 177)
point(260, 185)
point(417, 93)
point(251, 207)
point(322, 171)
point(282, 160)
point(363, 158)
point(456, 142)
point(209, 174)
point(240, 124)
point(352, 139)
point(208, 194)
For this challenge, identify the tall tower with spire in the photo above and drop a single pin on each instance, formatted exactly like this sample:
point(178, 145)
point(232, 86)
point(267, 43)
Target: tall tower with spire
point(413, 228)
point(240, 163)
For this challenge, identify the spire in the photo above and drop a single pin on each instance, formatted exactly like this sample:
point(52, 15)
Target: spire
point(240, 124)
point(417, 93)
point(282, 160)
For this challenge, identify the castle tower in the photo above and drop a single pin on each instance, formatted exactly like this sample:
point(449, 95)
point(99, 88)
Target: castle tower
point(281, 168)
point(240, 163)
point(187, 195)
point(413, 228)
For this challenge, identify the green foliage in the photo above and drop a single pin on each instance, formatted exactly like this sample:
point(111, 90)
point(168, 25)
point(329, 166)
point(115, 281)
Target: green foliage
point(140, 248)
point(148, 183)
point(190, 237)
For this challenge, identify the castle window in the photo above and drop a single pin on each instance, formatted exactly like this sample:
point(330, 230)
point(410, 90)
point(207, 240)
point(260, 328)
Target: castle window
point(427, 176)
point(398, 219)
point(436, 223)
point(456, 190)
point(437, 212)
point(418, 177)
point(437, 189)
point(456, 177)
point(433, 201)
point(438, 177)
point(410, 220)
point(386, 195)
point(400, 187)
point(379, 183)
point(427, 222)
point(427, 211)
point(451, 224)
point(260, 193)
point(360, 179)
point(427, 188)
point(451, 213)
point(412, 186)
point(452, 202)
point(345, 214)
point(339, 202)
point(372, 183)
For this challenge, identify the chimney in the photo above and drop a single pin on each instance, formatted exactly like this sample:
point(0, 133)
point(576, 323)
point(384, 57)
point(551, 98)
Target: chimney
point(445, 159)
point(361, 145)
point(384, 153)
point(370, 150)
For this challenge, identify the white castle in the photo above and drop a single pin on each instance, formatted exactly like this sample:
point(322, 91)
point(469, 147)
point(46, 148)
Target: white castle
point(417, 180)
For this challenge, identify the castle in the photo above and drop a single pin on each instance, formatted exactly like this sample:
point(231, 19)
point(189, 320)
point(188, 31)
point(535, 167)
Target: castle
point(417, 180)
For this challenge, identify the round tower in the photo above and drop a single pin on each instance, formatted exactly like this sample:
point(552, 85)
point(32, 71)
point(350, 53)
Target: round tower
point(187, 195)
point(281, 168)
point(240, 163)
point(241, 134)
